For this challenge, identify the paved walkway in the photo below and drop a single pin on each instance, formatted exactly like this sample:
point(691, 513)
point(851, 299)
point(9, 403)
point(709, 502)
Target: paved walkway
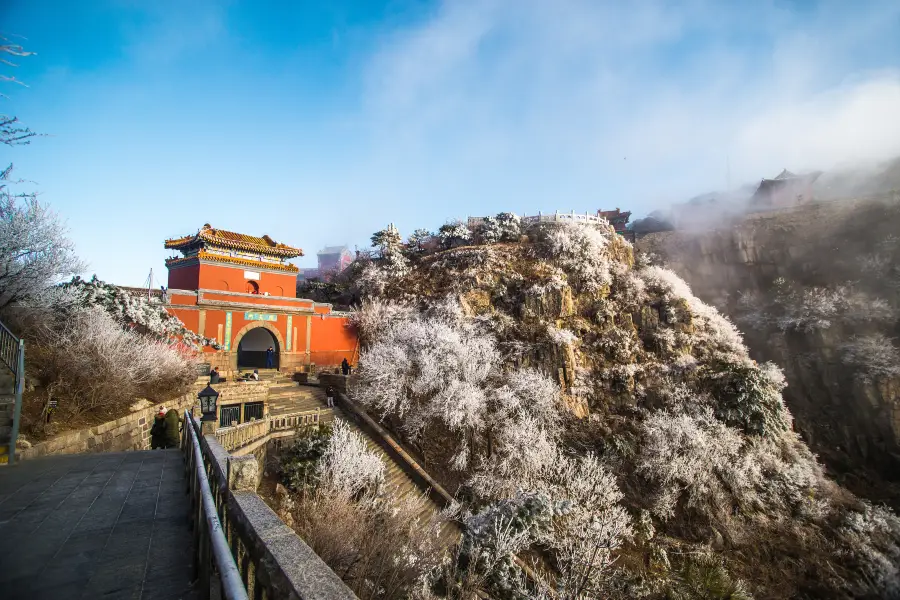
point(91, 526)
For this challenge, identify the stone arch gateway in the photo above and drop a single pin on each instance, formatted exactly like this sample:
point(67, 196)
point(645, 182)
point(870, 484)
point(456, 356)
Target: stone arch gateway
point(251, 343)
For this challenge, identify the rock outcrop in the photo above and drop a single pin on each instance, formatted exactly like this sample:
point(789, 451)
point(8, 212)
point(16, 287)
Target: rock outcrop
point(803, 285)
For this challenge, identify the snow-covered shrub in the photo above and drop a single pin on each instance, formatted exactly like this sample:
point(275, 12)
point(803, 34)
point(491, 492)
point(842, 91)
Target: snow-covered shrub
point(873, 357)
point(560, 337)
point(748, 396)
point(82, 357)
point(491, 539)
point(791, 307)
point(712, 332)
point(619, 344)
point(582, 252)
point(383, 548)
point(424, 368)
point(146, 316)
point(690, 457)
point(453, 234)
point(871, 537)
point(347, 466)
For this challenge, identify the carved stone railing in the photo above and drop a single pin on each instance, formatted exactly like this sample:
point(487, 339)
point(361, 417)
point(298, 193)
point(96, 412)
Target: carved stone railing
point(255, 432)
point(274, 562)
point(291, 421)
point(232, 438)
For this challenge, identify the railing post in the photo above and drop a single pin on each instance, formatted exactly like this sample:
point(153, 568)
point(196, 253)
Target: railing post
point(205, 560)
point(17, 409)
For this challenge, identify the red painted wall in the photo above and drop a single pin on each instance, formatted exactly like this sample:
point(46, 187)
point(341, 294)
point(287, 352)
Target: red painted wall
point(270, 300)
point(332, 340)
point(184, 278)
point(220, 277)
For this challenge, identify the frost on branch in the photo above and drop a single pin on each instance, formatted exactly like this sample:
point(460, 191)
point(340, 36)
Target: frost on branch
point(792, 307)
point(872, 357)
point(561, 337)
point(83, 357)
point(347, 467)
point(582, 252)
point(35, 250)
point(146, 316)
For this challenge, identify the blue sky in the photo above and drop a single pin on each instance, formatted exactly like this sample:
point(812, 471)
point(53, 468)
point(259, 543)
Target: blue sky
point(320, 122)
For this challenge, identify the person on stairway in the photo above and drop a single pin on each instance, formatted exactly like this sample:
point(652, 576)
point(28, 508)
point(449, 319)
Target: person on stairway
point(329, 396)
point(173, 424)
point(158, 431)
point(270, 357)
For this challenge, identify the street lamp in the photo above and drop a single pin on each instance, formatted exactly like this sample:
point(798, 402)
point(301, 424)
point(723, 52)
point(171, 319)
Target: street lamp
point(208, 399)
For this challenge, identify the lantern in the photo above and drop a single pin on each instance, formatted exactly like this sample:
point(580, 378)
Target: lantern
point(208, 399)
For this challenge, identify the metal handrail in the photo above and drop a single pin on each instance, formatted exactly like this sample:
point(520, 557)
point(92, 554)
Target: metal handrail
point(12, 353)
point(208, 518)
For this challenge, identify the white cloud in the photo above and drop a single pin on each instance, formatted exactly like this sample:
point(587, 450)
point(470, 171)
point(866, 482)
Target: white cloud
point(535, 103)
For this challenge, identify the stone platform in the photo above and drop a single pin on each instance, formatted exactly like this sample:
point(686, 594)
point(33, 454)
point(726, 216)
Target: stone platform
point(90, 526)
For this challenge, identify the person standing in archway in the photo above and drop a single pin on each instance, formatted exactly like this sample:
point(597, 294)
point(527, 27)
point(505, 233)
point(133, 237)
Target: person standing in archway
point(270, 357)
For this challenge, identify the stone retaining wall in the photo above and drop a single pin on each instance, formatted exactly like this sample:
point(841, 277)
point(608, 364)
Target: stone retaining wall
point(132, 431)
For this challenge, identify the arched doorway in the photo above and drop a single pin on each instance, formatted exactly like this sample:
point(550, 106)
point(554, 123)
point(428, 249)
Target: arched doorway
point(252, 349)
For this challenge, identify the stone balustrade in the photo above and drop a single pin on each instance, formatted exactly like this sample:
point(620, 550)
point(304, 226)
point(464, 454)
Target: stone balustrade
point(257, 432)
point(273, 560)
point(232, 438)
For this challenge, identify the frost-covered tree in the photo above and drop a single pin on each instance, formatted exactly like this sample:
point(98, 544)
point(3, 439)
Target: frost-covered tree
point(793, 307)
point(453, 234)
point(418, 240)
point(146, 316)
point(387, 240)
point(872, 357)
point(582, 252)
point(347, 467)
point(35, 250)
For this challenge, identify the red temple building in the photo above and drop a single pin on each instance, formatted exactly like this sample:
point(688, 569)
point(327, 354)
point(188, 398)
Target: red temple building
point(241, 291)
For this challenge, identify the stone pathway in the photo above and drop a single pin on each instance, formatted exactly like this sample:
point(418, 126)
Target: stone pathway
point(88, 526)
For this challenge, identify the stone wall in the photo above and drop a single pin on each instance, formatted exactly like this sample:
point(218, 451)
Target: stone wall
point(132, 431)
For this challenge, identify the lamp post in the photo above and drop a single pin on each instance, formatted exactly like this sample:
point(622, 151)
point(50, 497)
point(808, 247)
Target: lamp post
point(208, 400)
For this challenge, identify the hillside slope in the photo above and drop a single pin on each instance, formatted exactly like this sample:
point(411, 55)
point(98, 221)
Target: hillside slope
point(598, 419)
point(816, 290)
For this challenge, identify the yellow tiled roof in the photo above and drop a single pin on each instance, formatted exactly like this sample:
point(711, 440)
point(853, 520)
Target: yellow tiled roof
point(238, 241)
point(234, 260)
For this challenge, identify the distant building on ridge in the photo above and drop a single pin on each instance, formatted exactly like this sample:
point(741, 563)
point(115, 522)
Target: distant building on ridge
point(332, 260)
point(786, 189)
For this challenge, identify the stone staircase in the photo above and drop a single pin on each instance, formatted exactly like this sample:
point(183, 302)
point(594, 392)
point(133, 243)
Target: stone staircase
point(285, 398)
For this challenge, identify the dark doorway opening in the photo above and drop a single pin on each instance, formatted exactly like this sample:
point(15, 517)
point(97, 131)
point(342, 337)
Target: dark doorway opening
point(252, 349)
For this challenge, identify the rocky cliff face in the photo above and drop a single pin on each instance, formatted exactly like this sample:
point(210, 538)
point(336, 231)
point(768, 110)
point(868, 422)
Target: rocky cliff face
point(562, 386)
point(817, 291)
